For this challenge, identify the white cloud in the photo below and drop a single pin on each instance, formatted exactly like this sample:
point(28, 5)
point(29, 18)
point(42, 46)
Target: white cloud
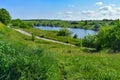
point(118, 9)
point(99, 3)
point(112, 5)
point(109, 11)
point(105, 8)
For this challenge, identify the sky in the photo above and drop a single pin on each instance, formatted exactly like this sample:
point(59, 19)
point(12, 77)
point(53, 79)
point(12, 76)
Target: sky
point(63, 9)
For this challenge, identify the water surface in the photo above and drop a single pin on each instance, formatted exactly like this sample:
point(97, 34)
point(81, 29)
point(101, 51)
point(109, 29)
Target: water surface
point(80, 32)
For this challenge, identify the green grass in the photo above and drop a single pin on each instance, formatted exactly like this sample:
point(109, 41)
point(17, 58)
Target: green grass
point(53, 35)
point(90, 67)
point(1, 27)
point(23, 59)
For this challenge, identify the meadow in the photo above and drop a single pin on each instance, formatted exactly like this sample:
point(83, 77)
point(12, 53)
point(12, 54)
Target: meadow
point(52, 35)
point(23, 59)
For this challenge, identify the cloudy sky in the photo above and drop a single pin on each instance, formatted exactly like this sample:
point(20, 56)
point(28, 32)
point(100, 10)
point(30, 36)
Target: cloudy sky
point(63, 9)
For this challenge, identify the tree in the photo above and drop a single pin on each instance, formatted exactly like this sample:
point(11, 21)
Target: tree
point(89, 41)
point(5, 17)
point(116, 22)
point(85, 22)
point(63, 32)
point(109, 37)
point(96, 27)
point(21, 24)
point(16, 22)
point(75, 36)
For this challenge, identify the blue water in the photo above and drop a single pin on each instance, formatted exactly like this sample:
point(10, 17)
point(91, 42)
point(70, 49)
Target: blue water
point(80, 32)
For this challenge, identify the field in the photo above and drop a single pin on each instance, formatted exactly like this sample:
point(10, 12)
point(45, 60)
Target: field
point(23, 59)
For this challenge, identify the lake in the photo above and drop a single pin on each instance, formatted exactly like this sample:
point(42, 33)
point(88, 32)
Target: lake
point(80, 32)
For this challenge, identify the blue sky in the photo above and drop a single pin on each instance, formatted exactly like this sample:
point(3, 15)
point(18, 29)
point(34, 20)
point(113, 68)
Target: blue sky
point(62, 9)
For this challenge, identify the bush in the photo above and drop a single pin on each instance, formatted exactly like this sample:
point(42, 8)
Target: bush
point(64, 32)
point(109, 37)
point(33, 37)
point(5, 17)
point(89, 41)
point(79, 43)
point(16, 22)
point(75, 36)
point(21, 24)
point(26, 63)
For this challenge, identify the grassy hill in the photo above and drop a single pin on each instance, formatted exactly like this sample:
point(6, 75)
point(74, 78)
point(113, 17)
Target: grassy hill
point(23, 59)
point(1, 27)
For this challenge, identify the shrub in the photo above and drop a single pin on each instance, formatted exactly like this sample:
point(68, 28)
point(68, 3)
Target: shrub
point(26, 63)
point(75, 36)
point(19, 23)
point(16, 22)
point(89, 41)
point(5, 17)
point(33, 37)
point(79, 43)
point(109, 37)
point(64, 32)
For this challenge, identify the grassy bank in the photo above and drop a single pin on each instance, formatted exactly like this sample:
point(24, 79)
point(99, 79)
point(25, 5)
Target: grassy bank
point(53, 35)
point(23, 59)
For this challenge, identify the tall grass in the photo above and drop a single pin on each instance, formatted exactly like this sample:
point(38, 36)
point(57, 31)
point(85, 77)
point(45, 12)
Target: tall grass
point(90, 67)
point(26, 63)
point(22, 61)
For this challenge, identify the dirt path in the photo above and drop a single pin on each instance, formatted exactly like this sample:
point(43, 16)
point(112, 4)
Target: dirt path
point(28, 34)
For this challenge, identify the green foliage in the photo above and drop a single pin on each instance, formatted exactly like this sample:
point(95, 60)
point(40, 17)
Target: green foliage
point(5, 17)
point(20, 24)
point(89, 41)
point(52, 35)
point(96, 27)
point(75, 36)
point(85, 24)
point(33, 37)
point(79, 43)
point(90, 67)
point(1, 27)
point(22, 59)
point(26, 63)
point(16, 22)
point(109, 37)
point(63, 32)
point(116, 22)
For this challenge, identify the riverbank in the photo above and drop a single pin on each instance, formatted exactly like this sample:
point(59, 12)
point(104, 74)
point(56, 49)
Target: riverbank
point(41, 58)
point(52, 35)
point(38, 37)
point(84, 24)
point(81, 33)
